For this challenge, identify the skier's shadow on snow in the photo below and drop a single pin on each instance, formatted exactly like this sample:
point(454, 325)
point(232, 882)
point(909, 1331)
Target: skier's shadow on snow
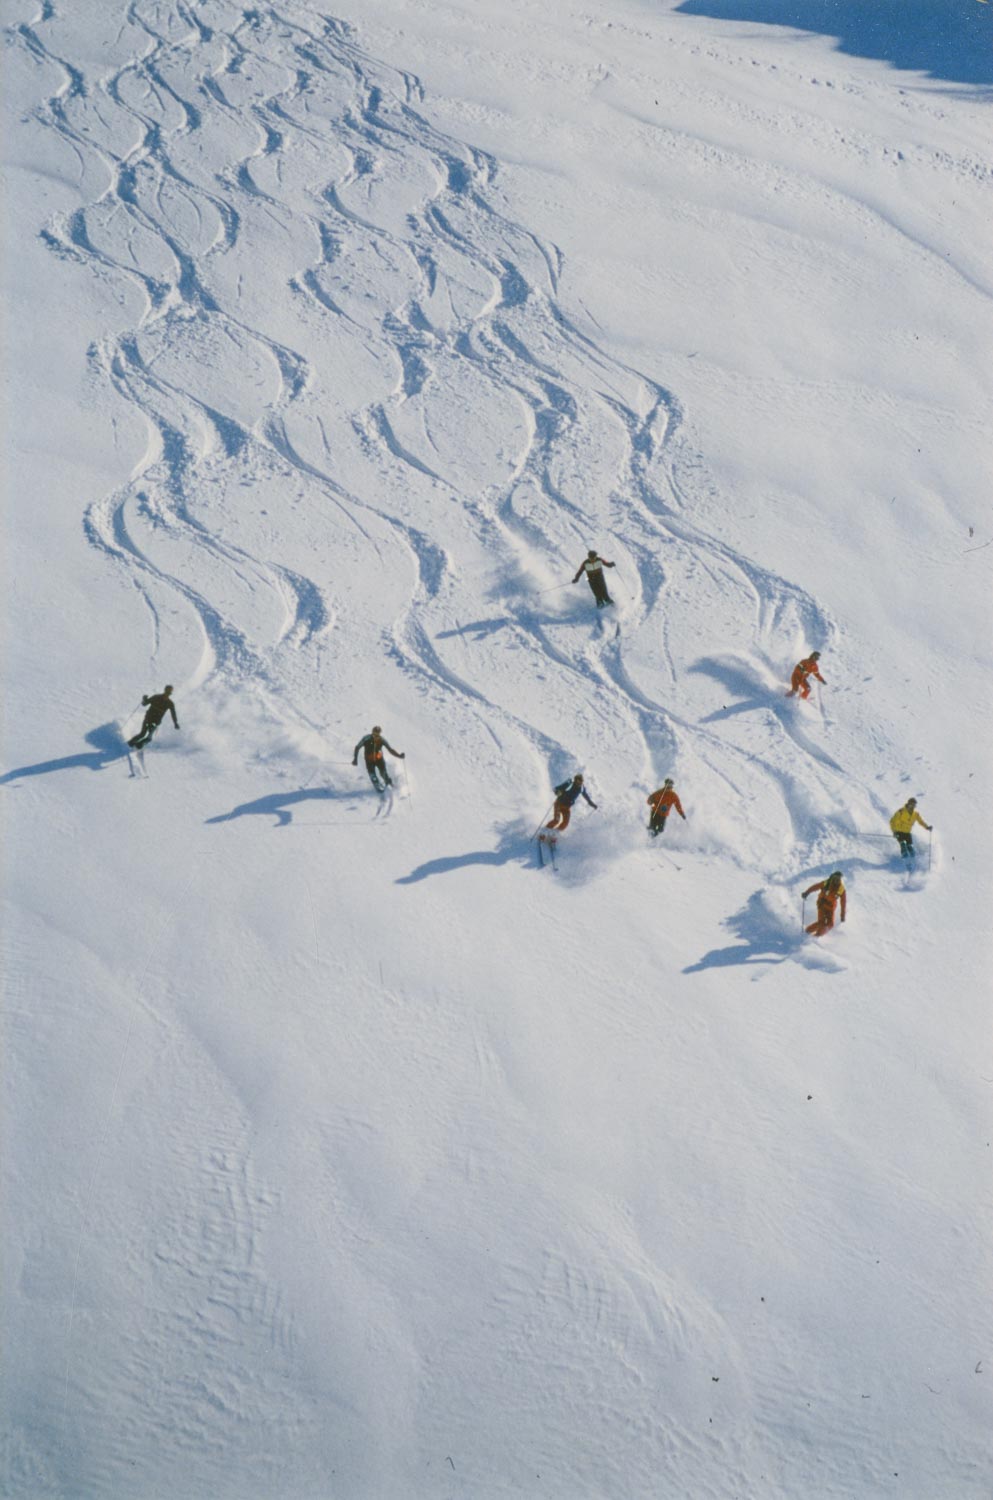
point(511, 848)
point(478, 629)
point(753, 693)
point(107, 747)
point(737, 682)
point(578, 613)
point(762, 940)
point(277, 805)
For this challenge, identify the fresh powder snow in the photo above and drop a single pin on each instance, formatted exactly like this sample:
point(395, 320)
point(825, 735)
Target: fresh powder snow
point(349, 1152)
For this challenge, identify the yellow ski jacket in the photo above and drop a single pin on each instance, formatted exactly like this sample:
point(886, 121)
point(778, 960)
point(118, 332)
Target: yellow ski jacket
point(903, 820)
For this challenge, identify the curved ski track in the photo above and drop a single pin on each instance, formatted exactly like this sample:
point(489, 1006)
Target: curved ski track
point(418, 299)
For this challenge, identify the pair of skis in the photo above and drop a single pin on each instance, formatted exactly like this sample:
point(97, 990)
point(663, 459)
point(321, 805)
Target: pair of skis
point(546, 844)
point(137, 769)
point(395, 790)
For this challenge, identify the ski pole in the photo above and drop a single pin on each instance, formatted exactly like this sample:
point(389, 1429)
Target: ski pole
point(554, 589)
point(803, 913)
point(542, 823)
point(929, 848)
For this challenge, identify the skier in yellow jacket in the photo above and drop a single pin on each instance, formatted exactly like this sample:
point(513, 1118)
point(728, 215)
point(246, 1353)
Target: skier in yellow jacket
point(901, 824)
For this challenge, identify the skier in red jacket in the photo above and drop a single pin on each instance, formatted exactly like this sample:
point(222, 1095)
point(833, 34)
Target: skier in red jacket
point(829, 893)
point(662, 802)
point(802, 672)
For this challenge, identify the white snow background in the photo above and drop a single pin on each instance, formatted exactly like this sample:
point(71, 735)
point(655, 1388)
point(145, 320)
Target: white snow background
point(347, 1153)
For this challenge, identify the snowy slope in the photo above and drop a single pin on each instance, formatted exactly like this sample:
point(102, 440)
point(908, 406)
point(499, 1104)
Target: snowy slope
point(347, 1152)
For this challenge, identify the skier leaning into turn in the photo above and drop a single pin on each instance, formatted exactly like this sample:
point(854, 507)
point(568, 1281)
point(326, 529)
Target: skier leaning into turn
point(802, 672)
point(593, 567)
point(902, 824)
point(372, 746)
point(829, 893)
point(566, 795)
point(156, 707)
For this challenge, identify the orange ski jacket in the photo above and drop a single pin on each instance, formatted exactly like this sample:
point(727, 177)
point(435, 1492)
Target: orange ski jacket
point(663, 799)
point(804, 669)
point(828, 895)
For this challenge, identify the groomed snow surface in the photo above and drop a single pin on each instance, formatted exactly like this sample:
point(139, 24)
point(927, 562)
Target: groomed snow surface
point(349, 1154)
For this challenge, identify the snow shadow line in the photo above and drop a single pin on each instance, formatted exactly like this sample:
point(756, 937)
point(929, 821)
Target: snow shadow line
point(106, 740)
point(278, 804)
point(513, 846)
point(764, 940)
point(947, 42)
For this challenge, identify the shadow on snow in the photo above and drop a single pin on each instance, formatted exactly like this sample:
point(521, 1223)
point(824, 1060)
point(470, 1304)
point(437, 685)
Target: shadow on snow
point(951, 40)
point(513, 847)
point(107, 747)
point(768, 938)
point(763, 939)
point(478, 629)
point(278, 804)
point(528, 618)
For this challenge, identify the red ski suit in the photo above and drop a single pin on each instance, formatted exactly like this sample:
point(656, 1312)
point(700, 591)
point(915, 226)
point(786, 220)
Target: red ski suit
point(804, 669)
point(828, 897)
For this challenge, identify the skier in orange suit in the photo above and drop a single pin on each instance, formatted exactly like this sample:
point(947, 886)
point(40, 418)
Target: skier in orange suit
point(802, 672)
point(829, 893)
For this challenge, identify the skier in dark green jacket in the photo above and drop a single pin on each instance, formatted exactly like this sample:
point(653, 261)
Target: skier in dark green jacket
point(372, 746)
point(156, 707)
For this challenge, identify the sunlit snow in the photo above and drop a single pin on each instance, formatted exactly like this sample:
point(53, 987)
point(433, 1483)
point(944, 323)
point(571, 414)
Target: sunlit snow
point(349, 1154)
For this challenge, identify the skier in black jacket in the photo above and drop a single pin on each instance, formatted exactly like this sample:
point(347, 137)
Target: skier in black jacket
point(593, 567)
point(372, 746)
point(156, 707)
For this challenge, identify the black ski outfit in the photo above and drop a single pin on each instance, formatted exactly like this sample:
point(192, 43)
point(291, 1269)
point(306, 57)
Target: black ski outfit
point(372, 746)
point(593, 567)
point(156, 707)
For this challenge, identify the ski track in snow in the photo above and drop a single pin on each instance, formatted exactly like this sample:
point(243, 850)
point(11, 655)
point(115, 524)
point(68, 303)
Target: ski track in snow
point(413, 296)
point(373, 209)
